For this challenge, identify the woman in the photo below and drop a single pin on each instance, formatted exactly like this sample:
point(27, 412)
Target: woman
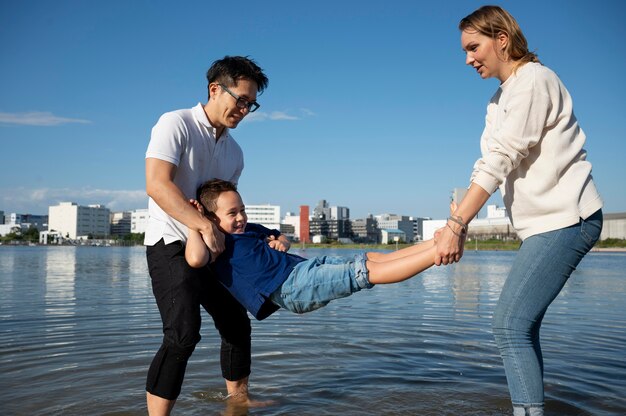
point(532, 148)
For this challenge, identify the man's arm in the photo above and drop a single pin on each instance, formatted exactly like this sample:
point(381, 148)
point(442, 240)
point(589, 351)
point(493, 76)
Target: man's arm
point(161, 188)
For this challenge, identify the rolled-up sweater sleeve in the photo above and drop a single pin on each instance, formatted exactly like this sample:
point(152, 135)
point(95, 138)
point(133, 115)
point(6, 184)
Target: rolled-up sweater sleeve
point(514, 124)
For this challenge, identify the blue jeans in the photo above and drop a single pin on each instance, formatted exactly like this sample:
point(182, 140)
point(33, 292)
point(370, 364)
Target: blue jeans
point(315, 282)
point(540, 270)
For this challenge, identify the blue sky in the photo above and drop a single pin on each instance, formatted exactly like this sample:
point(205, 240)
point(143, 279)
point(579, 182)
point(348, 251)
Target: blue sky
point(370, 104)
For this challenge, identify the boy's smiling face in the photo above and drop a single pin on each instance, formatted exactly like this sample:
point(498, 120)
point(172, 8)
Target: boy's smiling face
point(230, 213)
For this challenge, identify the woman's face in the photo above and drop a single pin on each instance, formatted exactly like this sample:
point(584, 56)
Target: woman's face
point(486, 55)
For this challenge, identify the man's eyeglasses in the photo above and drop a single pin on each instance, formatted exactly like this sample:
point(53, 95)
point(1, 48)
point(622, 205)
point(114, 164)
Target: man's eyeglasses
point(242, 103)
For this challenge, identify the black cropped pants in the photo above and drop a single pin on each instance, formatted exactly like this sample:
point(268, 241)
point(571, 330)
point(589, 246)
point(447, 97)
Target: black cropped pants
point(179, 291)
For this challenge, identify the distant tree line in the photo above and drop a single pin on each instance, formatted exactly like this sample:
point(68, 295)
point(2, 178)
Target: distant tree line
point(29, 236)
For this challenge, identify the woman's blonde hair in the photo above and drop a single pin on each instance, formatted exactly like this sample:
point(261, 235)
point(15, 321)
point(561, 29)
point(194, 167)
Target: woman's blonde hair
point(491, 21)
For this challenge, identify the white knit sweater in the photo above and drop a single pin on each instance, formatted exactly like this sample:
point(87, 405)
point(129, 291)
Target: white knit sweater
point(532, 148)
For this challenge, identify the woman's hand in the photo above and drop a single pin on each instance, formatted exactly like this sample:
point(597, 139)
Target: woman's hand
point(450, 241)
point(450, 244)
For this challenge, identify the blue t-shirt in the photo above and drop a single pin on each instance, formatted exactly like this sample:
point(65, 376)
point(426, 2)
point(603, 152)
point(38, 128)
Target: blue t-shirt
point(251, 270)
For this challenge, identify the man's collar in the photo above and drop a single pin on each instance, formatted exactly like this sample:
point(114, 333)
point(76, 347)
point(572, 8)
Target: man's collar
point(200, 115)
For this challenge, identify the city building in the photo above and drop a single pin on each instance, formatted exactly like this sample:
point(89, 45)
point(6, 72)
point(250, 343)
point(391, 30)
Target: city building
point(331, 229)
point(614, 226)
point(330, 222)
point(305, 235)
point(365, 230)
point(139, 221)
point(392, 236)
point(267, 215)
point(121, 223)
point(324, 211)
point(458, 194)
point(418, 227)
point(291, 226)
point(40, 222)
point(79, 222)
point(20, 223)
point(10, 228)
point(496, 225)
point(397, 222)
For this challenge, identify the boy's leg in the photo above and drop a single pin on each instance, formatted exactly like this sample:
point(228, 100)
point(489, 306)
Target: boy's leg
point(315, 282)
point(405, 252)
point(401, 268)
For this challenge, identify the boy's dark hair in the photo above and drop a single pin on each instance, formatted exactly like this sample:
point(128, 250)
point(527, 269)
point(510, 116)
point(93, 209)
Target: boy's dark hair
point(231, 69)
point(209, 191)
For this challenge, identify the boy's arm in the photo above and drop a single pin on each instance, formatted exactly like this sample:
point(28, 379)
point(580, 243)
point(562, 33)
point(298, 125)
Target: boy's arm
point(280, 243)
point(275, 239)
point(196, 252)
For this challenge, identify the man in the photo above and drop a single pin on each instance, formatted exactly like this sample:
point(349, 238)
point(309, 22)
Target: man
point(188, 147)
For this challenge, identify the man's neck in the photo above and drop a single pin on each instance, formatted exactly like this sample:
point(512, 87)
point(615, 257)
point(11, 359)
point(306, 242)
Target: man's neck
point(218, 130)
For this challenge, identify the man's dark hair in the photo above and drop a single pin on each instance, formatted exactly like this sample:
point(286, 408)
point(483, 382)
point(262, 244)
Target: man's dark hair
point(231, 69)
point(209, 191)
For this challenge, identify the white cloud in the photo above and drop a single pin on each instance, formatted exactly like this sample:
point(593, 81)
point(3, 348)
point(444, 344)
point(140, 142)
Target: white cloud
point(36, 118)
point(37, 201)
point(274, 115)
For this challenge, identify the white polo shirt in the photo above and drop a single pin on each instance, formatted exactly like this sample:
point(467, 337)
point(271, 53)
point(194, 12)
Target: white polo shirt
point(186, 139)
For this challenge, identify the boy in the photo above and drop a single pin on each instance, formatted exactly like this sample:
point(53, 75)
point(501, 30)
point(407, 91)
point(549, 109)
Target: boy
point(257, 270)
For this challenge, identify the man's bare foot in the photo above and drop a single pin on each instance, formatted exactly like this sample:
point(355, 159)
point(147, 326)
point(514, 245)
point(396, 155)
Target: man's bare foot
point(242, 398)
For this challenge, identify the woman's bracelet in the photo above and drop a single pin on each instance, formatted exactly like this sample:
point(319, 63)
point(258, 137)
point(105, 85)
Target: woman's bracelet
point(461, 234)
point(458, 220)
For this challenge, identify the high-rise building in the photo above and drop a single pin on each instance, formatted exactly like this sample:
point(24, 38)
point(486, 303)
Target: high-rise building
point(293, 221)
point(121, 223)
point(397, 222)
point(365, 230)
point(40, 222)
point(76, 221)
point(139, 221)
point(458, 194)
point(305, 235)
point(418, 227)
point(330, 222)
point(267, 215)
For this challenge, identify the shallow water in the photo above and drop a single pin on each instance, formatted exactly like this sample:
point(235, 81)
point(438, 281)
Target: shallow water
point(79, 327)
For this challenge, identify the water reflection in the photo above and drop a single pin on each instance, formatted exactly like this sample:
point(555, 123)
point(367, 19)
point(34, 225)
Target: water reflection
point(60, 297)
point(79, 326)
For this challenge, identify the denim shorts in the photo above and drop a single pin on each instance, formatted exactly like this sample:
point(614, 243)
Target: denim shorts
point(315, 282)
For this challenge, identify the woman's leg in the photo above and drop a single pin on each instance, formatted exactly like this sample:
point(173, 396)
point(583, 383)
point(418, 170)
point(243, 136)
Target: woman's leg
point(539, 272)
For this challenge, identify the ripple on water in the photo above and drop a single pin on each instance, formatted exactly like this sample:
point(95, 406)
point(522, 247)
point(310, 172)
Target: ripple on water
point(79, 327)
